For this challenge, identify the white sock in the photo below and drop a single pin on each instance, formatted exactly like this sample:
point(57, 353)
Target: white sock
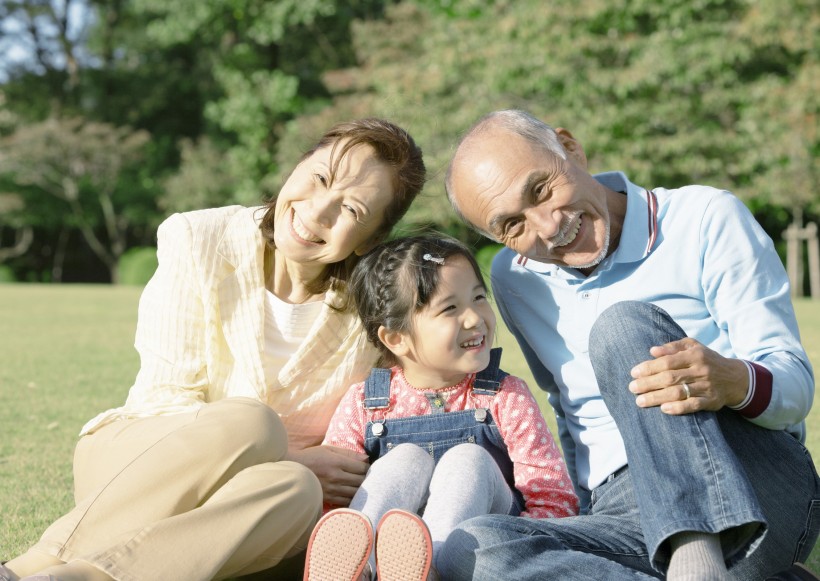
point(696, 556)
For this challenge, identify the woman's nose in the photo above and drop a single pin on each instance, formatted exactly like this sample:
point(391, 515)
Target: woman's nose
point(321, 208)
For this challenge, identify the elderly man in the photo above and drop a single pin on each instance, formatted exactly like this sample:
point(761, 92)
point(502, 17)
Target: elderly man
point(659, 323)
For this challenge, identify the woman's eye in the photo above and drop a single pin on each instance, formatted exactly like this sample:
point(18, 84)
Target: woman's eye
point(321, 179)
point(351, 210)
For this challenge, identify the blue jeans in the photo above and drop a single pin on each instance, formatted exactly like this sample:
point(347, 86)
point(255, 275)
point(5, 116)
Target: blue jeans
point(713, 472)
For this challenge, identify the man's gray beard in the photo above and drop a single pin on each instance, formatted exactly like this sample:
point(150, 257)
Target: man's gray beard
point(598, 259)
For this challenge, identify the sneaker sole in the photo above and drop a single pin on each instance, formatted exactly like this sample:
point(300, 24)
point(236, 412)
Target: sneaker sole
point(339, 546)
point(404, 550)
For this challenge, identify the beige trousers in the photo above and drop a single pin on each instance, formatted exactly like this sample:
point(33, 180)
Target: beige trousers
point(202, 495)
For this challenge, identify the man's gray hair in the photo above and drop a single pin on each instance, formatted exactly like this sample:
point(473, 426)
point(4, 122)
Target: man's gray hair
point(516, 121)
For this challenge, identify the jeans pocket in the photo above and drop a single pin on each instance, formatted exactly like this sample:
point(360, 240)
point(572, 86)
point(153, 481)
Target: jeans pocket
point(810, 533)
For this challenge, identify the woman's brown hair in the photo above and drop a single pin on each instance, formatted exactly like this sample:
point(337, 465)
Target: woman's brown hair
point(394, 147)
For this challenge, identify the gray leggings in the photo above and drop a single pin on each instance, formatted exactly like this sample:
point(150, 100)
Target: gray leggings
point(466, 483)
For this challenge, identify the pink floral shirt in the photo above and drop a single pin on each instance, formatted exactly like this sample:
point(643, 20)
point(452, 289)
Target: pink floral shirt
point(540, 473)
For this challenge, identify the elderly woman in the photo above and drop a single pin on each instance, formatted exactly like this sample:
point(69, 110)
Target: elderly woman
point(213, 467)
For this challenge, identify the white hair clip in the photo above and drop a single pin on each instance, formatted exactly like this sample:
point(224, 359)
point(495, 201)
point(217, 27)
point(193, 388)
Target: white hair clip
point(431, 258)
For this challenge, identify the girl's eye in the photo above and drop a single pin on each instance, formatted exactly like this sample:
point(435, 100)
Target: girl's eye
point(448, 309)
point(481, 297)
point(321, 179)
point(351, 210)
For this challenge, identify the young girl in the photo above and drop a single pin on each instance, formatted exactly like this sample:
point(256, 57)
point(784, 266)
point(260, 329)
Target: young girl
point(464, 438)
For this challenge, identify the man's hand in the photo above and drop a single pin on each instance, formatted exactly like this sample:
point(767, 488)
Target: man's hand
point(714, 381)
point(340, 471)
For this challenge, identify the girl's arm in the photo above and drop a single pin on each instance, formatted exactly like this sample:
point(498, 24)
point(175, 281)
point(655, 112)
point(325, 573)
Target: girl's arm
point(540, 473)
point(347, 426)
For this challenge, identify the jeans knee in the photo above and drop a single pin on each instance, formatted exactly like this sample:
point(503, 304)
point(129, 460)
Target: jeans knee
point(616, 324)
point(457, 559)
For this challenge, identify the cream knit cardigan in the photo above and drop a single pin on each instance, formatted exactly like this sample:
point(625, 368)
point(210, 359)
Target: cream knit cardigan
point(200, 332)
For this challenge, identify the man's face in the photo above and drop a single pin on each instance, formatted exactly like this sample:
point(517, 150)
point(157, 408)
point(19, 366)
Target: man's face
point(543, 207)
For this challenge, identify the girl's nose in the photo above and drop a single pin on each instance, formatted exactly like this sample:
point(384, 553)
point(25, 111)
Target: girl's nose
point(472, 319)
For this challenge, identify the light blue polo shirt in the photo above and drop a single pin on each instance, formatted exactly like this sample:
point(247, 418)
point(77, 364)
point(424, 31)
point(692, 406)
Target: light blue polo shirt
point(697, 253)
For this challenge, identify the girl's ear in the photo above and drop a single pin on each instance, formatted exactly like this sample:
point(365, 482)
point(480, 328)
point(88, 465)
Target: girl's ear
point(395, 341)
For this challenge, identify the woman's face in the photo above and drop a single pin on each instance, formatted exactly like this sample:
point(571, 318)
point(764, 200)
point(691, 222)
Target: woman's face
point(317, 221)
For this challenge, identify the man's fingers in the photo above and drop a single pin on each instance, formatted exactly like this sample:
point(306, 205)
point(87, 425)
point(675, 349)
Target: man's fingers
point(660, 396)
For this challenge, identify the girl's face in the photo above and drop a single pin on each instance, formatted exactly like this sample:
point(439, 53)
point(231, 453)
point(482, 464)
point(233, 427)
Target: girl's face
point(453, 334)
point(317, 221)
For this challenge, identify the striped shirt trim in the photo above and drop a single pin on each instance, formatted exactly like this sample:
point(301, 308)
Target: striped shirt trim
point(759, 393)
point(652, 220)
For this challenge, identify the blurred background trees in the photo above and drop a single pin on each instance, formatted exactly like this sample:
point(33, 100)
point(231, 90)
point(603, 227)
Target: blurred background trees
point(194, 103)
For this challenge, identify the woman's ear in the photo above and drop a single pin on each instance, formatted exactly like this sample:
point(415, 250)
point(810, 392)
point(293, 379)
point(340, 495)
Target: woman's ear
point(395, 341)
point(366, 247)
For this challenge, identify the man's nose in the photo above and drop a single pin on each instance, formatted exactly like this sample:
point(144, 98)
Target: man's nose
point(545, 223)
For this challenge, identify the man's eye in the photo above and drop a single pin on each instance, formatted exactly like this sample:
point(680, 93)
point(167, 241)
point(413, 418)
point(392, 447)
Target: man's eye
point(513, 228)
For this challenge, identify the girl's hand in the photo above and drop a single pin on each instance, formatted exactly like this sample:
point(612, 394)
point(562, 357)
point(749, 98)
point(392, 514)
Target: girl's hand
point(340, 471)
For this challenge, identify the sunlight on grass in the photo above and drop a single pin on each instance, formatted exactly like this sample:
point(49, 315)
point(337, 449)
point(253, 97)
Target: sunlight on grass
point(67, 354)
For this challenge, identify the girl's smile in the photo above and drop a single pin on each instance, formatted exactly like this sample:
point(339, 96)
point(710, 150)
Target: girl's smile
point(452, 335)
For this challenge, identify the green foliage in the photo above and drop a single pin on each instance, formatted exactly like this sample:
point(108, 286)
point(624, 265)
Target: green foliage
point(7, 274)
point(484, 256)
point(80, 163)
point(137, 266)
point(721, 92)
point(716, 91)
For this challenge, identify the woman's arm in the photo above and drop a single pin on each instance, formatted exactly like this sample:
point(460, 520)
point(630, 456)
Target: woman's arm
point(171, 325)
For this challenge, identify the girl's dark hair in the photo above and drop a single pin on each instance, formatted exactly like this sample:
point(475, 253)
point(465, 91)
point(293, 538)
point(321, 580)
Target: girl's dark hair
point(394, 281)
point(394, 147)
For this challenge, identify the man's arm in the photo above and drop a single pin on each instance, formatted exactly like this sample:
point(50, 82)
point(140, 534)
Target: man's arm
point(746, 291)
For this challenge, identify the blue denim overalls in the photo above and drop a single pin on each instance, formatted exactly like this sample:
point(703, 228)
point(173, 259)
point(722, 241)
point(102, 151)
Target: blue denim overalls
point(439, 430)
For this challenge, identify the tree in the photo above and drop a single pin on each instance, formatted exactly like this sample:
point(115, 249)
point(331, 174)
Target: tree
point(79, 162)
point(720, 92)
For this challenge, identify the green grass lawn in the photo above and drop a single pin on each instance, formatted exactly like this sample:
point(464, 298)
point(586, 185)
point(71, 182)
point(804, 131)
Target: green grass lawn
point(66, 353)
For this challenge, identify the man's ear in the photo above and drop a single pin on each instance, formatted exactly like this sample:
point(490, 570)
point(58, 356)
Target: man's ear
point(572, 146)
point(395, 341)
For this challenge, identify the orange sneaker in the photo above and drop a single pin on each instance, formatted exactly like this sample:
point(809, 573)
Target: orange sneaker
point(404, 550)
point(339, 547)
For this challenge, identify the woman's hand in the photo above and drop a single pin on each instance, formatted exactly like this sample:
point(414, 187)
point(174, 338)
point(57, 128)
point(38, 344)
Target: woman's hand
point(713, 380)
point(340, 471)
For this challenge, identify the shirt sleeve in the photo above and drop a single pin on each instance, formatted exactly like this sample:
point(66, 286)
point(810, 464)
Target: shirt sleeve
point(540, 473)
point(747, 292)
point(170, 335)
point(347, 426)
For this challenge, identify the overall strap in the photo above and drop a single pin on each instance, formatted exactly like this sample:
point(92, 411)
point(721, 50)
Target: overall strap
point(377, 389)
point(488, 381)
